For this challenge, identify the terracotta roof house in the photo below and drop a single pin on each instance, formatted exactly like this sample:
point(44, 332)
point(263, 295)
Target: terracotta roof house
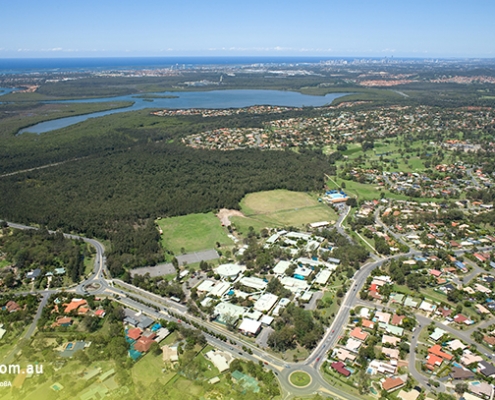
point(74, 305)
point(461, 319)
point(434, 360)
point(143, 344)
point(437, 351)
point(366, 323)
point(397, 319)
point(391, 384)
point(12, 306)
point(134, 333)
point(357, 333)
point(100, 313)
point(444, 311)
point(490, 340)
point(64, 321)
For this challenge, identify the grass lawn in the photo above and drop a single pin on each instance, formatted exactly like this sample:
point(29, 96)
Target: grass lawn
point(300, 379)
point(192, 232)
point(300, 352)
point(278, 208)
point(148, 369)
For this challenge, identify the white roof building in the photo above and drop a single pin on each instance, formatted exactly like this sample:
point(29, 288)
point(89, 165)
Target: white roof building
point(293, 284)
point(303, 271)
point(307, 296)
point(218, 359)
point(266, 320)
point(323, 276)
point(228, 312)
point(220, 289)
point(266, 302)
point(316, 225)
point(281, 304)
point(253, 282)
point(230, 270)
point(205, 286)
point(281, 267)
point(250, 327)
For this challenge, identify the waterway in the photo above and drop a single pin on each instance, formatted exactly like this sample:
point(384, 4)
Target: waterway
point(216, 99)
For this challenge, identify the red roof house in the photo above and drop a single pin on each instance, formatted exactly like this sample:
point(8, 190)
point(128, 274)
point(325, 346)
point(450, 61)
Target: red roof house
point(340, 368)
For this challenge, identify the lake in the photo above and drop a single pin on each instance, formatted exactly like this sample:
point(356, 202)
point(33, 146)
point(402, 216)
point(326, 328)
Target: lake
point(216, 99)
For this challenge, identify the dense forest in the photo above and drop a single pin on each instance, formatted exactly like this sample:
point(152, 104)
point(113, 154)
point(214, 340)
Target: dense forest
point(115, 197)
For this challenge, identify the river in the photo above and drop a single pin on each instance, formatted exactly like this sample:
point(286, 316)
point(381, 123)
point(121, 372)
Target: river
point(215, 99)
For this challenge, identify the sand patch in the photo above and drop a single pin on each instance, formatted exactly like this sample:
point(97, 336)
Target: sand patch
point(224, 214)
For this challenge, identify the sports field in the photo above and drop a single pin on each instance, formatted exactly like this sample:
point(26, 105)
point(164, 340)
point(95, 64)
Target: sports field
point(278, 208)
point(192, 232)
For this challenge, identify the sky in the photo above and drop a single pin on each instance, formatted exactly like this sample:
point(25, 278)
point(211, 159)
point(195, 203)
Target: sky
point(347, 28)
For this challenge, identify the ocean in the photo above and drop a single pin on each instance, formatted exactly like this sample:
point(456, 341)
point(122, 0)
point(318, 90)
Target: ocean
point(33, 65)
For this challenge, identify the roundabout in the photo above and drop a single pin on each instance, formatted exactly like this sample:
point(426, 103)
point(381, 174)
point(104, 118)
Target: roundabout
point(300, 379)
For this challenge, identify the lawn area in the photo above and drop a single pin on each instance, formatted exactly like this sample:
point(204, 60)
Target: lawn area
point(148, 369)
point(192, 232)
point(300, 378)
point(279, 208)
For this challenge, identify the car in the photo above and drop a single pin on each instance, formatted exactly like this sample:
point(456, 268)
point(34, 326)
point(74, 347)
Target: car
point(287, 366)
point(333, 330)
point(318, 359)
point(265, 363)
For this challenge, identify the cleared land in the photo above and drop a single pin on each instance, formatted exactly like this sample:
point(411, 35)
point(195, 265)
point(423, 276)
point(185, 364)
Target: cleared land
point(278, 208)
point(192, 232)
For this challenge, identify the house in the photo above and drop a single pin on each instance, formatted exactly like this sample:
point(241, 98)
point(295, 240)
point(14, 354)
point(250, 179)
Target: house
point(461, 374)
point(12, 306)
point(411, 395)
point(100, 313)
point(394, 341)
point(461, 319)
point(357, 333)
point(391, 384)
point(433, 361)
point(170, 354)
point(74, 305)
point(134, 333)
point(33, 274)
point(437, 351)
point(366, 323)
point(219, 359)
point(353, 345)
point(437, 334)
point(456, 344)
point(64, 321)
point(397, 320)
point(383, 317)
point(391, 353)
point(343, 354)
point(469, 358)
point(486, 369)
point(143, 344)
point(340, 368)
point(482, 389)
point(490, 340)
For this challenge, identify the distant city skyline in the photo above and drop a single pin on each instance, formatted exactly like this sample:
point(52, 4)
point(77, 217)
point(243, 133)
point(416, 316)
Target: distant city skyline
point(352, 28)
